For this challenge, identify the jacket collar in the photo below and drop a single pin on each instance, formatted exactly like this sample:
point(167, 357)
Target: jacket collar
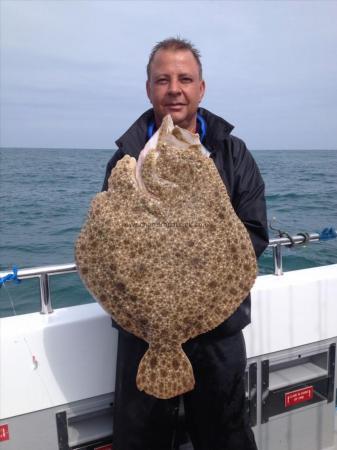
point(134, 139)
point(218, 130)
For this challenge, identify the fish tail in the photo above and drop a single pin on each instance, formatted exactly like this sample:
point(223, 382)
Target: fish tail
point(165, 374)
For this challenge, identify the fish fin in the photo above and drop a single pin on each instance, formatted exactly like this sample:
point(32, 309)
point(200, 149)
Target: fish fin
point(165, 374)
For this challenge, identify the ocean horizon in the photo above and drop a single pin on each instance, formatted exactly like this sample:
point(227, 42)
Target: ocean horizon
point(45, 194)
point(111, 149)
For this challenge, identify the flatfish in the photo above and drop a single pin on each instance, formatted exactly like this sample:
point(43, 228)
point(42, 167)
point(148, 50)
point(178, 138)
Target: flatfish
point(164, 253)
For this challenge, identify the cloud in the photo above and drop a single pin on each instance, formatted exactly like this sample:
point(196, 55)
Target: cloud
point(269, 67)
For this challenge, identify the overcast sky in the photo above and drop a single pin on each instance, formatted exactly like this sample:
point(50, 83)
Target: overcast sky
point(73, 71)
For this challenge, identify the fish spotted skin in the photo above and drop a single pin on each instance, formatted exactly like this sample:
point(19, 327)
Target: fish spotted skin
point(164, 253)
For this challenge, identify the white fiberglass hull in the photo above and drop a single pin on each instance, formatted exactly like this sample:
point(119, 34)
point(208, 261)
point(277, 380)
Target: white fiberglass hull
point(58, 370)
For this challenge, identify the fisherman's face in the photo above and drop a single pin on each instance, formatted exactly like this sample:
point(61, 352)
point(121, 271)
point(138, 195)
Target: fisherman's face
point(174, 87)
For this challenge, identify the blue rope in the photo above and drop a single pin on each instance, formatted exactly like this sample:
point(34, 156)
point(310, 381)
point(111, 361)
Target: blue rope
point(11, 277)
point(327, 233)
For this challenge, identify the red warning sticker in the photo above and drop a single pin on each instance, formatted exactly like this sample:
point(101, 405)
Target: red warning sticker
point(104, 447)
point(4, 433)
point(299, 396)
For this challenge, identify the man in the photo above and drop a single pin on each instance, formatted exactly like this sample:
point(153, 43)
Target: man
point(215, 412)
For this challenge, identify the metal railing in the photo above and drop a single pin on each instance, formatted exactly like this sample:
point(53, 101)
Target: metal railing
point(277, 245)
point(44, 272)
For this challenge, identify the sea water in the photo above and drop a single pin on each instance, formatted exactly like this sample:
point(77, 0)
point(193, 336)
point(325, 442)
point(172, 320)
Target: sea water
point(45, 195)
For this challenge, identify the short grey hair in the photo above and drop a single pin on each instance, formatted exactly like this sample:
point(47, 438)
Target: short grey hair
point(174, 44)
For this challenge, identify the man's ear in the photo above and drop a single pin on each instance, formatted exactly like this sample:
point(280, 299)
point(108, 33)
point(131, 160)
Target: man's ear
point(148, 90)
point(202, 90)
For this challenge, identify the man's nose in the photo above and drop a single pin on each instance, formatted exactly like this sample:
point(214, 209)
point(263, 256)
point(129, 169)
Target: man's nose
point(174, 87)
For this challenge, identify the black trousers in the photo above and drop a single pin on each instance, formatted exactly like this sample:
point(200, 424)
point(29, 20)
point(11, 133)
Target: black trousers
point(215, 410)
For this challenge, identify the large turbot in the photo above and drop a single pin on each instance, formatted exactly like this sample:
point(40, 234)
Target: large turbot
point(164, 253)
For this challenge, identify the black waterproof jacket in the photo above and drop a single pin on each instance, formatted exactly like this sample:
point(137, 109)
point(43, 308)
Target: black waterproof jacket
point(240, 175)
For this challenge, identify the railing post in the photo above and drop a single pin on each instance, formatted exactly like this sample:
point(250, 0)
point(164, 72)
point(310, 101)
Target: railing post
point(277, 254)
point(46, 306)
